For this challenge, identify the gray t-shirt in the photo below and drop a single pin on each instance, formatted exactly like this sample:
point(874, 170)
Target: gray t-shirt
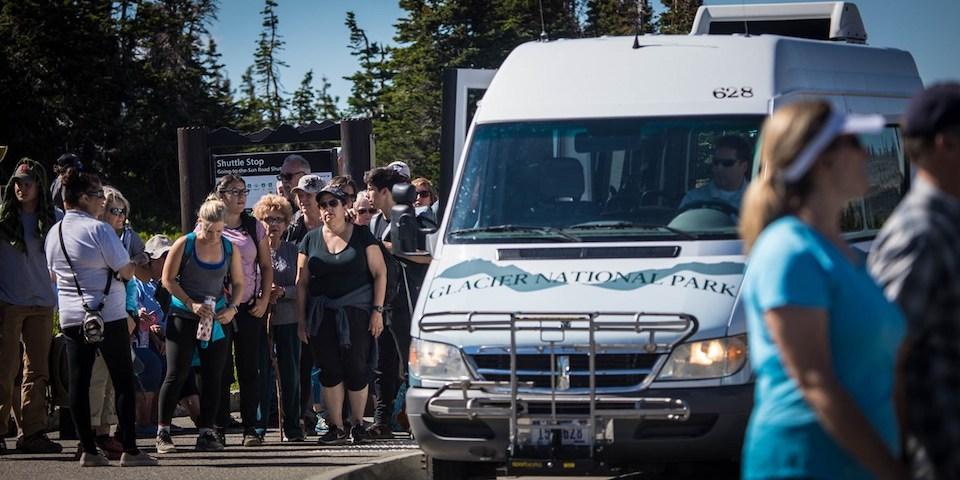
point(95, 250)
point(24, 278)
point(285, 275)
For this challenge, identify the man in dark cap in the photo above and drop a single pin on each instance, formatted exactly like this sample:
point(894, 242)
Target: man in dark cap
point(64, 164)
point(916, 259)
point(26, 304)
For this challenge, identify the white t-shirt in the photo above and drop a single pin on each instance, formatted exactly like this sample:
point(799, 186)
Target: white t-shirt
point(95, 250)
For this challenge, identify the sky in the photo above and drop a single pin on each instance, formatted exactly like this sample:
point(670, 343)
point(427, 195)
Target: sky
point(316, 37)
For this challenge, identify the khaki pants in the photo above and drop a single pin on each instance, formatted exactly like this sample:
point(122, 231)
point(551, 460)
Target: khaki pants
point(103, 411)
point(34, 325)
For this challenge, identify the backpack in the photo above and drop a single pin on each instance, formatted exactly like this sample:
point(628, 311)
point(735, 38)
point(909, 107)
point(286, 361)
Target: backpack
point(248, 223)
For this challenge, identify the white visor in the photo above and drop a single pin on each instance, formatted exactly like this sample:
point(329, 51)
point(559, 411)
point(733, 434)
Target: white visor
point(837, 124)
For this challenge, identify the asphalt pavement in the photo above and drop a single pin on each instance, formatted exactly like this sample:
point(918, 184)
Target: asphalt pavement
point(273, 460)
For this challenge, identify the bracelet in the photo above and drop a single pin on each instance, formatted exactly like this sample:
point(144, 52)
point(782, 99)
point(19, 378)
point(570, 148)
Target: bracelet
point(378, 308)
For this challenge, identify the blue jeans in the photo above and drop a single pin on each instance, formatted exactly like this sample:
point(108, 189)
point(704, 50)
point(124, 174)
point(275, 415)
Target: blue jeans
point(288, 360)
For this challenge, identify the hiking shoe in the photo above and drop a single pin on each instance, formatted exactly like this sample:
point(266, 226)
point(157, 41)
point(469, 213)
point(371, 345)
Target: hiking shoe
point(334, 436)
point(221, 434)
point(38, 443)
point(93, 460)
point(379, 431)
point(165, 443)
point(252, 440)
point(139, 459)
point(357, 434)
point(208, 442)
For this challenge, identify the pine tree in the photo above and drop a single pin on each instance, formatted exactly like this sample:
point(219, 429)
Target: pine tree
point(617, 17)
point(218, 84)
point(251, 109)
point(303, 103)
point(327, 105)
point(267, 63)
point(370, 81)
point(678, 16)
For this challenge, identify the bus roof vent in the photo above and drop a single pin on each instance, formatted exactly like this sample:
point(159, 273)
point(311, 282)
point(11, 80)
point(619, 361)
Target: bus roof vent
point(837, 21)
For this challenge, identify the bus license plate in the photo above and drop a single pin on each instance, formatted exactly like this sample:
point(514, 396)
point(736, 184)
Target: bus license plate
point(570, 434)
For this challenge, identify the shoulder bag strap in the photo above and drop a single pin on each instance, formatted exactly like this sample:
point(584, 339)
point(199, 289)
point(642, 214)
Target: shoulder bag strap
point(76, 282)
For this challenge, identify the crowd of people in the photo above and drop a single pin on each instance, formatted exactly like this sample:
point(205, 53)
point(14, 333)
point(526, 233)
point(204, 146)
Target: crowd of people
point(290, 296)
point(855, 356)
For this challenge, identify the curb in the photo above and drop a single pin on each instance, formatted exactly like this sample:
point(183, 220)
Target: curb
point(405, 466)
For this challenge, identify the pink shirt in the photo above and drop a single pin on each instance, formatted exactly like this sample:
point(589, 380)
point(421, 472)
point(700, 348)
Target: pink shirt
point(248, 255)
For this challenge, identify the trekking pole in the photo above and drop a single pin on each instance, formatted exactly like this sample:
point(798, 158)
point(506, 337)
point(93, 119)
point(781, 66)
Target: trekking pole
point(276, 371)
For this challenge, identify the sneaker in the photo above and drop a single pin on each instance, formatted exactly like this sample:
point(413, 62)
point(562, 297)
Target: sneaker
point(293, 437)
point(109, 446)
point(3, 446)
point(221, 434)
point(357, 434)
point(334, 436)
point(93, 460)
point(165, 443)
point(140, 459)
point(207, 442)
point(252, 440)
point(379, 431)
point(321, 426)
point(38, 443)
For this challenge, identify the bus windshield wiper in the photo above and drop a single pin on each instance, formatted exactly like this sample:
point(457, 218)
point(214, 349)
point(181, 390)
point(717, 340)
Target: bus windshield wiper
point(549, 232)
point(620, 225)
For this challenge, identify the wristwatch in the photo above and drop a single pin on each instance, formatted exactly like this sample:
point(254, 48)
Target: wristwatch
point(378, 308)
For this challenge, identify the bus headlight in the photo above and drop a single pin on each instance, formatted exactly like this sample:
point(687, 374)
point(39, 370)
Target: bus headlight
point(437, 361)
point(719, 357)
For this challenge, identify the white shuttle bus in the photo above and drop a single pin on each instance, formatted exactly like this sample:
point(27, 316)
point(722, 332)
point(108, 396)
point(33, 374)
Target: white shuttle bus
point(581, 312)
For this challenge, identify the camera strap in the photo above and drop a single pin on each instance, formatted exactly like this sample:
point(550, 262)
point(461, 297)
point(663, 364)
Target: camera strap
point(106, 290)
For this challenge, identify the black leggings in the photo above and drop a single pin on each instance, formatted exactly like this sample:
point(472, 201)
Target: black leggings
point(181, 343)
point(350, 366)
point(115, 349)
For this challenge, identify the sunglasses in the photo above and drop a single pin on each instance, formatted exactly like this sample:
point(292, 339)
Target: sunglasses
point(364, 211)
point(289, 176)
point(96, 194)
point(118, 211)
point(725, 162)
point(423, 193)
point(334, 203)
point(243, 192)
point(275, 220)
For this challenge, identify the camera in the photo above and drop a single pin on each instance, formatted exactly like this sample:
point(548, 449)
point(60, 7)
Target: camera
point(92, 327)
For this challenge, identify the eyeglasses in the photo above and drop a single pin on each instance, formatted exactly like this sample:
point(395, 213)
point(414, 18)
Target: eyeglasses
point(725, 162)
point(364, 211)
point(423, 193)
point(118, 211)
point(234, 191)
point(289, 176)
point(275, 220)
point(330, 204)
point(96, 194)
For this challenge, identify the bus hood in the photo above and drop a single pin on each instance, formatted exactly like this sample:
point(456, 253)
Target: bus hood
point(705, 287)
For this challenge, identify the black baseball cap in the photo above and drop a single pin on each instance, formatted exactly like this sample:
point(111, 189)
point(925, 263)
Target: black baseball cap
point(69, 160)
point(933, 110)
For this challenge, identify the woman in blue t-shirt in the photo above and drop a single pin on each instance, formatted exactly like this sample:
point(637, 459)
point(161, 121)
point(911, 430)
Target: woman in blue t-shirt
point(823, 339)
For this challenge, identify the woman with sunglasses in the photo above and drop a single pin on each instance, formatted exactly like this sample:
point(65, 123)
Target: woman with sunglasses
point(117, 214)
point(363, 210)
point(823, 338)
point(426, 194)
point(86, 257)
point(249, 334)
point(275, 212)
point(341, 284)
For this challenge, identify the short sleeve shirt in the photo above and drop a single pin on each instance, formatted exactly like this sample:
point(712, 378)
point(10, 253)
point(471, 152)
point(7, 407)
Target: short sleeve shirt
point(96, 252)
point(793, 265)
point(248, 254)
point(335, 274)
point(24, 278)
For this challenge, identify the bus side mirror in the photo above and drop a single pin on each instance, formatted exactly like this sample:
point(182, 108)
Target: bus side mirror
point(406, 235)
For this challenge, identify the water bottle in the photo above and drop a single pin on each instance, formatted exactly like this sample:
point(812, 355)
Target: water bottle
point(205, 326)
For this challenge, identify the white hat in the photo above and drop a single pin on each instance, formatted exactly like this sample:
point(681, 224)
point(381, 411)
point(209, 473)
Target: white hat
point(838, 123)
point(400, 168)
